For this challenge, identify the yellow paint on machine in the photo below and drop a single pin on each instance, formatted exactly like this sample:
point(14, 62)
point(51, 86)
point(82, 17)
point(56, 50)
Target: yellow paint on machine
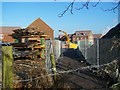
point(72, 45)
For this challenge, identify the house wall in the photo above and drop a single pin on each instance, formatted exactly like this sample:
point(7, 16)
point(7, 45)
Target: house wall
point(90, 38)
point(42, 26)
point(6, 32)
point(8, 38)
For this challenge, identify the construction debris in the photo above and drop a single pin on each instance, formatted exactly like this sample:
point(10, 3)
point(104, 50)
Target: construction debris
point(111, 69)
point(29, 55)
point(31, 74)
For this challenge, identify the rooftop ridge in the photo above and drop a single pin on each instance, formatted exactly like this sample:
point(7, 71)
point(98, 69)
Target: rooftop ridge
point(39, 19)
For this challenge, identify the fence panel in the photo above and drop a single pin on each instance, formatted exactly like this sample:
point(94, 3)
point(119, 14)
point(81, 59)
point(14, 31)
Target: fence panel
point(48, 62)
point(56, 44)
point(84, 47)
point(109, 50)
point(57, 48)
point(92, 54)
point(101, 52)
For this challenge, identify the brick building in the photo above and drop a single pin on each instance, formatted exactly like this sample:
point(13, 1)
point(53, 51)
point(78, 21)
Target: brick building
point(97, 36)
point(43, 27)
point(5, 33)
point(82, 35)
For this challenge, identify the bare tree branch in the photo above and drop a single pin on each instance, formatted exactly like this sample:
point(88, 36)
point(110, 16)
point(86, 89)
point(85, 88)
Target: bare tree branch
point(113, 8)
point(96, 3)
point(85, 5)
point(69, 7)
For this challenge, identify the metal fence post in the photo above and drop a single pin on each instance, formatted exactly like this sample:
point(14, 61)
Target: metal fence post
point(85, 48)
point(98, 60)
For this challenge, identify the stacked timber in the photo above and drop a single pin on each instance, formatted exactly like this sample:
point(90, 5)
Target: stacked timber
point(30, 44)
point(30, 73)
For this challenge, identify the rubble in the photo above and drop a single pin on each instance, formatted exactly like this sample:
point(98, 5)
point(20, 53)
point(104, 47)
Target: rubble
point(116, 86)
point(31, 74)
point(110, 72)
point(111, 69)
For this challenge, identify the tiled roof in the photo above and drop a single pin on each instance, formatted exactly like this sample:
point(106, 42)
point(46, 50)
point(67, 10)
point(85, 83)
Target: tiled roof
point(84, 32)
point(97, 35)
point(7, 29)
point(42, 26)
point(7, 38)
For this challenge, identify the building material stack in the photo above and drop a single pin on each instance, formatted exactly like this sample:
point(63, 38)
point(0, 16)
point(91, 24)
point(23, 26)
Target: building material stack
point(29, 55)
point(30, 43)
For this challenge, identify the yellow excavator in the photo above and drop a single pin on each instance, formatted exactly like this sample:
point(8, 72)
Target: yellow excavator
point(70, 44)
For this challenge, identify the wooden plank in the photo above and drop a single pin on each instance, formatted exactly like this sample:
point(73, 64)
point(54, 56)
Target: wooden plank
point(7, 59)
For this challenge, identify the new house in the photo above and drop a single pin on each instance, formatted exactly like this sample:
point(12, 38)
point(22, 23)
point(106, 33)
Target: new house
point(41, 26)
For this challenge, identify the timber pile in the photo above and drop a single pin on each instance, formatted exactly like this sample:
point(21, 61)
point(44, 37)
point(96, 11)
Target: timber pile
point(26, 32)
point(31, 74)
point(30, 43)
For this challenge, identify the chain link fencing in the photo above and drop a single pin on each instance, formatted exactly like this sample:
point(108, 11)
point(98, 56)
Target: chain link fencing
point(101, 52)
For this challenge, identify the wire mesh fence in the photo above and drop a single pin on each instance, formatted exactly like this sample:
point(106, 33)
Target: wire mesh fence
point(56, 44)
point(101, 52)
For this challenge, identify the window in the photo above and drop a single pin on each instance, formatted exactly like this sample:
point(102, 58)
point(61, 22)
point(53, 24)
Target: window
point(1, 36)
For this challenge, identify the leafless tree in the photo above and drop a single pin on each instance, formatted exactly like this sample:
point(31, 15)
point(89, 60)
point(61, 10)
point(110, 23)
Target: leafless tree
point(86, 5)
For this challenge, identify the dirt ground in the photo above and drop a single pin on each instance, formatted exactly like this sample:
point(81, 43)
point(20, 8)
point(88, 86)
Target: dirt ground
point(81, 78)
point(32, 74)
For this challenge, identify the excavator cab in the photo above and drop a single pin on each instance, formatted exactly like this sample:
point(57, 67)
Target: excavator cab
point(70, 44)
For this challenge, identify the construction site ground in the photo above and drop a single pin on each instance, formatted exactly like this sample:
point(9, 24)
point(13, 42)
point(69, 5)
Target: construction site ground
point(78, 75)
point(72, 72)
point(31, 74)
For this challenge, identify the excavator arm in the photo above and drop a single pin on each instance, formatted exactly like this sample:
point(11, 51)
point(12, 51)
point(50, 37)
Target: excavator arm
point(70, 45)
point(66, 35)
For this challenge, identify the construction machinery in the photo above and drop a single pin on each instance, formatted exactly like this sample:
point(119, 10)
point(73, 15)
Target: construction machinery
point(68, 43)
